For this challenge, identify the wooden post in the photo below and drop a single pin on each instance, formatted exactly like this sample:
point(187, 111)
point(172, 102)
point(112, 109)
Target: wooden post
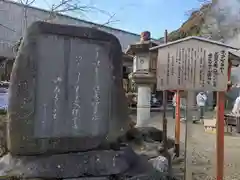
point(164, 110)
point(165, 140)
point(177, 124)
point(188, 134)
point(220, 135)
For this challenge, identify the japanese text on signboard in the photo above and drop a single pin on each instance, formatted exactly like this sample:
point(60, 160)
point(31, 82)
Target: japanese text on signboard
point(192, 68)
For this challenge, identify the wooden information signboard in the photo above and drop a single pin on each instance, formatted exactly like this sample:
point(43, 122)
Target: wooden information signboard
point(195, 64)
point(193, 67)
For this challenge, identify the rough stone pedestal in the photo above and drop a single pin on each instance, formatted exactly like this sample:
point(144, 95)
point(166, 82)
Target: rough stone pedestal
point(122, 164)
point(96, 163)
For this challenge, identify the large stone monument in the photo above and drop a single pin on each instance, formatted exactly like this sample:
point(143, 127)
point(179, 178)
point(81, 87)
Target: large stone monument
point(143, 78)
point(64, 85)
point(67, 109)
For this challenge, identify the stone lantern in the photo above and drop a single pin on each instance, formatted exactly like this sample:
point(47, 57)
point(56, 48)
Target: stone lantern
point(142, 77)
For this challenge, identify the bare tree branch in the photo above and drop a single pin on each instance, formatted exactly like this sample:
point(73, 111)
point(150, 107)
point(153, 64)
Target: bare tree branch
point(63, 7)
point(76, 6)
point(203, 3)
point(27, 2)
point(110, 20)
point(66, 6)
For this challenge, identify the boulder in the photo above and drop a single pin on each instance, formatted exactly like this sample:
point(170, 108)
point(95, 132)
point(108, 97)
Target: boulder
point(160, 163)
point(146, 141)
point(66, 91)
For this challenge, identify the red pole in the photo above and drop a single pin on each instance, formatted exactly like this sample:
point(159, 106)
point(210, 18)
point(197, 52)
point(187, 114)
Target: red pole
point(220, 134)
point(177, 124)
point(220, 128)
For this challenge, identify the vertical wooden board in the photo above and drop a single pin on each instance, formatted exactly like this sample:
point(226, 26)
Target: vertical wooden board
point(199, 66)
point(224, 75)
point(160, 69)
point(191, 67)
point(173, 67)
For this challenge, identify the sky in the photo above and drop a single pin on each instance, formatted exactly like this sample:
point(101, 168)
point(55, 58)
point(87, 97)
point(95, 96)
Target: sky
point(136, 15)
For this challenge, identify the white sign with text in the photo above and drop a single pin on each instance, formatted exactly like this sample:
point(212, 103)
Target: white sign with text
point(192, 67)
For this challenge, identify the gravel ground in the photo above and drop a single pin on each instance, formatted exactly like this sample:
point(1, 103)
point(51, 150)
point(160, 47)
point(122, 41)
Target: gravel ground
point(203, 147)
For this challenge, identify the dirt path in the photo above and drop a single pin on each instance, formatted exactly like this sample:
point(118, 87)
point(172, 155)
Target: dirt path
point(203, 145)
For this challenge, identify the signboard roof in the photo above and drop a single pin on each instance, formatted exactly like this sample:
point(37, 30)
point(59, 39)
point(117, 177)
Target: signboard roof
point(194, 38)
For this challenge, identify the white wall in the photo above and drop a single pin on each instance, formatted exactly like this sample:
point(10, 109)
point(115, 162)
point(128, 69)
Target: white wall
point(12, 16)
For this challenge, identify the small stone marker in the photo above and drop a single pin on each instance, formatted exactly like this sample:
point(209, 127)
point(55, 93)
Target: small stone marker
point(65, 90)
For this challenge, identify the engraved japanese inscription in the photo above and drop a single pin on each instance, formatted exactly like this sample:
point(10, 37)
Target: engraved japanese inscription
point(61, 112)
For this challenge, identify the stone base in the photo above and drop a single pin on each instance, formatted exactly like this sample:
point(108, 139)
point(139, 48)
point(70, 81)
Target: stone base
point(91, 178)
point(122, 163)
point(93, 163)
point(154, 175)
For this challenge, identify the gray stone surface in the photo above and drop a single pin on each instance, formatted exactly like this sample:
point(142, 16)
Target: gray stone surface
point(72, 165)
point(66, 90)
point(3, 134)
point(90, 178)
point(160, 163)
point(150, 176)
point(140, 166)
point(146, 141)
